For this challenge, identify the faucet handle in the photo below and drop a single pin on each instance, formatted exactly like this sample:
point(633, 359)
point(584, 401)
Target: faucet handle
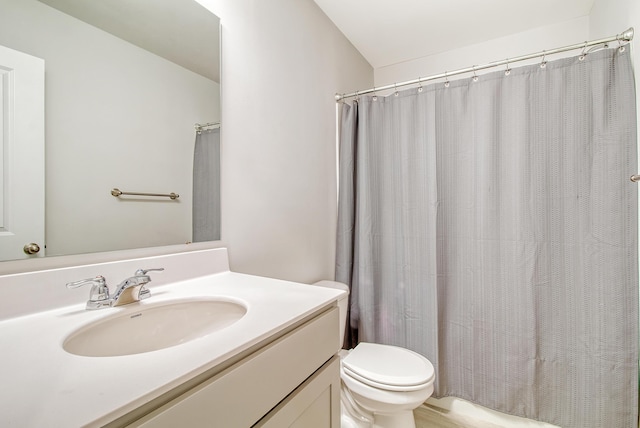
point(99, 290)
point(144, 292)
point(144, 271)
point(97, 281)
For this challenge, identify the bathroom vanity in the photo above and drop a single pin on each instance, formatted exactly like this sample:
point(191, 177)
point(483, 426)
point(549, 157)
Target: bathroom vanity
point(293, 368)
point(273, 364)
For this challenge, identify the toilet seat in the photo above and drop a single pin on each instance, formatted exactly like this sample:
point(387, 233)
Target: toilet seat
point(388, 367)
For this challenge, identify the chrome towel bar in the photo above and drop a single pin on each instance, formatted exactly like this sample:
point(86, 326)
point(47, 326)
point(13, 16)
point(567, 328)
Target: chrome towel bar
point(117, 192)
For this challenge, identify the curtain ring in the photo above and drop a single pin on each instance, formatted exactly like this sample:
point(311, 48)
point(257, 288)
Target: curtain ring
point(375, 96)
point(543, 64)
point(621, 47)
point(508, 70)
point(475, 76)
point(583, 54)
point(446, 80)
point(395, 94)
point(419, 85)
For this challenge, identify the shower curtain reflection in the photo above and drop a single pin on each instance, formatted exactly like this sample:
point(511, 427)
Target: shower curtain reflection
point(491, 226)
point(206, 186)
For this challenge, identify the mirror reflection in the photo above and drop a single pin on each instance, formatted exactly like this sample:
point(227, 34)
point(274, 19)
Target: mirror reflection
point(125, 84)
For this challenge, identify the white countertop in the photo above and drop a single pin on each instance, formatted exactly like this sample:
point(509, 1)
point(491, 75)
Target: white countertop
point(44, 386)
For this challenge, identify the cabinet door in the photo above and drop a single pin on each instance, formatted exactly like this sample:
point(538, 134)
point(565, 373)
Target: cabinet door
point(314, 404)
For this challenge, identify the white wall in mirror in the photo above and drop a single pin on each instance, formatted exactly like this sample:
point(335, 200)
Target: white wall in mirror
point(116, 116)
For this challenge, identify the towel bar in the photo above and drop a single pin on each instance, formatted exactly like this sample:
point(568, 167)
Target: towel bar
point(117, 192)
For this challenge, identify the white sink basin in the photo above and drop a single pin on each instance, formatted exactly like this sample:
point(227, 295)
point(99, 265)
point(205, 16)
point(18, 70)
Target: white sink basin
point(152, 327)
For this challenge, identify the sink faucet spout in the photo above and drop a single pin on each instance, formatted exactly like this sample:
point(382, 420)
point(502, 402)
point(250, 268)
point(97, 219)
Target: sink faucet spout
point(133, 288)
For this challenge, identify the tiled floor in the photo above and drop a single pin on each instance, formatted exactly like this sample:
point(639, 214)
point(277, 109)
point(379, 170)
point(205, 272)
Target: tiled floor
point(428, 416)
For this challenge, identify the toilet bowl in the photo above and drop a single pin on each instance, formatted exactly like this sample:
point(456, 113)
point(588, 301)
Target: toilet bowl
point(381, 384)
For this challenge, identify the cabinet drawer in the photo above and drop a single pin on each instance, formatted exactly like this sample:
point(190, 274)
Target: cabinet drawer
point(314, 404)
point(242, 394)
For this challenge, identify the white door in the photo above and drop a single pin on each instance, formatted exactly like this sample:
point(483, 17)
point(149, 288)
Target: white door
point(21, 155)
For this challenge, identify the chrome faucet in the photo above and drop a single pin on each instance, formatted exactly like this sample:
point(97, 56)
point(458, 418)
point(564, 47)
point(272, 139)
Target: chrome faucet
point(133, 288)
point(99, 294)
point(128, 291)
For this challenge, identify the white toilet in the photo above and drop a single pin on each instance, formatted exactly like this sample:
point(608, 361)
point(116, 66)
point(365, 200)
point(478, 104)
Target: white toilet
point(381, 384)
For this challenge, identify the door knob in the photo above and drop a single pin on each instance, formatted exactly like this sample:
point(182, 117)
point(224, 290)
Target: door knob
point(31, 248)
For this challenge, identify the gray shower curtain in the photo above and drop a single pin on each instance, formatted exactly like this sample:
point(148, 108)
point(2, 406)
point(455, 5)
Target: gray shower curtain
point(206, 186)
point(492, 227)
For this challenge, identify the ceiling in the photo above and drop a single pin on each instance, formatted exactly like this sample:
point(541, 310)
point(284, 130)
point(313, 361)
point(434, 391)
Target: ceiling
point(181, 31)
point(388, 32)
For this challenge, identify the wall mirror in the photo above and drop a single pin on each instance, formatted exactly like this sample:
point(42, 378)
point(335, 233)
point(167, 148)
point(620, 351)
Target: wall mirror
point(125, 84)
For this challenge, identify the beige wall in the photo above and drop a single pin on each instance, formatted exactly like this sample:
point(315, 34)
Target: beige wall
point(282, 62)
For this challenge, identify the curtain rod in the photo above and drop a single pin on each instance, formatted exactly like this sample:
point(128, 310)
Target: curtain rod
point(201, 126)
point(625, 36)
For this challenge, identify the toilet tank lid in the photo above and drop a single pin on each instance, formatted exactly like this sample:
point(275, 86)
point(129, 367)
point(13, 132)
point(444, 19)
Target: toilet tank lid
point(333, 284)
point(389, 365)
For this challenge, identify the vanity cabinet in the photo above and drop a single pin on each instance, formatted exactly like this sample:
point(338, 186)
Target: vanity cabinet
point(291, 380)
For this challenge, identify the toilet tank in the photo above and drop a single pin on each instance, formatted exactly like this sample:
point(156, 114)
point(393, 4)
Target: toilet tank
point(342, 303)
